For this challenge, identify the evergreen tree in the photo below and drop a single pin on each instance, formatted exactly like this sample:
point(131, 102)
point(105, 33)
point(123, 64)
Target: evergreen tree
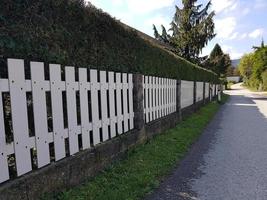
point(192, 28)
point(218, 61)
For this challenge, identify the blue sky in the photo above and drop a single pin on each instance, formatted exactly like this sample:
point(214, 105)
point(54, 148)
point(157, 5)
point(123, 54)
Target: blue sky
point(240, 24)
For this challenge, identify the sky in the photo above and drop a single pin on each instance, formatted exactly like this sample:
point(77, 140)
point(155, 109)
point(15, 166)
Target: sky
point(239, 24)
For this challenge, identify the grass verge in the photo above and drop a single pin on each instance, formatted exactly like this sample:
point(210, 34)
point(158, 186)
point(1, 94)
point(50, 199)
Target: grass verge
point(145, 165)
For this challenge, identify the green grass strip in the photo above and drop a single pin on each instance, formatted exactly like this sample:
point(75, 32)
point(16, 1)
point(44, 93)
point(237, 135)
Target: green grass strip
point(146, 164)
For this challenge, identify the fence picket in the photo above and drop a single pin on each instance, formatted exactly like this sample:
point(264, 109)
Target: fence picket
point(125, 102)
point(40, 113)
point(113, 119)
point(95, 106)
point(119, 103)
point(19, 115)
point(86, 126)
point(104, 105)
point(57, 86)
point(131, 112)
point(73, 130)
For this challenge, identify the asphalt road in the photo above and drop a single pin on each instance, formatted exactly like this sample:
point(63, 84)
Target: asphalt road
point(229, 161)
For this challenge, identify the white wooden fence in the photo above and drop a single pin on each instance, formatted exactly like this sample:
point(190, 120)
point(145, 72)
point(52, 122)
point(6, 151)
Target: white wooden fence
point(73, 110)
point(207, 90)
point(159, 97)
point(199, 91)
point(104, 109)
point(187, 93)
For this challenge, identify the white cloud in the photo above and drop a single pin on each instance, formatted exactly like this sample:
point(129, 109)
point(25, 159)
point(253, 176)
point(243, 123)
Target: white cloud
point(222, 5)
point(231, 51)
point(245, 11)
point(243, 36)
point(225, 27)
point(157, 21)
point(234, 36)
point(256, 33)
point(146, 6)
point(260, 4)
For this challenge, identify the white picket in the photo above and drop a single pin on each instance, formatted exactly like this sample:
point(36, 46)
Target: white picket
point(156, 97)
point(125, 87)
point(86, 126)
point(40, 113)
point(111, 89)
point(161, 98)
point(73, 129)
point(146, 86)
point(57, 86)
point(150, 99)
point(153, 99)
point(104, 105)
point(19, 115)
point(131, 112)
point(95, 107)
point(119, 103)
point(4, 173)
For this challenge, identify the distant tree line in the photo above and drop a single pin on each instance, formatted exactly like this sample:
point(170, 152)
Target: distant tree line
point(253, 68)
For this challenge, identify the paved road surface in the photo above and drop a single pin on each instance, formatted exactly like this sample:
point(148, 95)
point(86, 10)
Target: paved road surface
point(229, 162)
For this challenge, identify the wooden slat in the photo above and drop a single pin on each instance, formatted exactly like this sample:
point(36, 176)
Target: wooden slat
point(147, 98)
point(131, 113)
point(86, 126)
point(57, 86)
point(4, 175)
point(71, 88)
point(118, 94)
point(125, 102)
point(156, 97)
point(165, 97)
point(153, 98)
point(161, 98)
point(19, 115)
point(104, 105)
point(150, 98)
point(40, 113)
point(95, 106)
point(111, 89)
point(4, 85)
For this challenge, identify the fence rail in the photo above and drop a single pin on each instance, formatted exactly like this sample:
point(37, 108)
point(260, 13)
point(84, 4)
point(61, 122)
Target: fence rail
point(51, 119)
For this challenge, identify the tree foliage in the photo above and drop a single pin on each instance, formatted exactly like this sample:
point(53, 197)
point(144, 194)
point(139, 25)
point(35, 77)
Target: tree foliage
point(72, 33)
point(218, 61)
point(253, 68)
point(192, 27)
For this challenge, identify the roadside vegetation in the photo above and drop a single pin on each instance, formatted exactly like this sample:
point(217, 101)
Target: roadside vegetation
point(253, 68)
point(145, 165)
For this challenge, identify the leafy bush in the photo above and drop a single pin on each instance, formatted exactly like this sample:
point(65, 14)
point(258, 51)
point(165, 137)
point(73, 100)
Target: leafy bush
point(264, 80)
point(72, 33)
point(253, 68)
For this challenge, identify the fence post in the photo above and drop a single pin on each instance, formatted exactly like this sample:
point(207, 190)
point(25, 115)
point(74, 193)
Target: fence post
point(138, 103)
point(178, 99)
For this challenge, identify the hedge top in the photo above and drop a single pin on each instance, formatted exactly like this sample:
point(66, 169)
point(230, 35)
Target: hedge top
point(72, 33)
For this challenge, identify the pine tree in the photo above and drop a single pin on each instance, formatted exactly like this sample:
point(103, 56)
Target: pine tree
point(192, 28)
point(218, 61)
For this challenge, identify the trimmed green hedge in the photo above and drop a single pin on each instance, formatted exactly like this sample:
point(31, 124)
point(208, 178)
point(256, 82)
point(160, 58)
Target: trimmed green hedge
point(70, 33)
